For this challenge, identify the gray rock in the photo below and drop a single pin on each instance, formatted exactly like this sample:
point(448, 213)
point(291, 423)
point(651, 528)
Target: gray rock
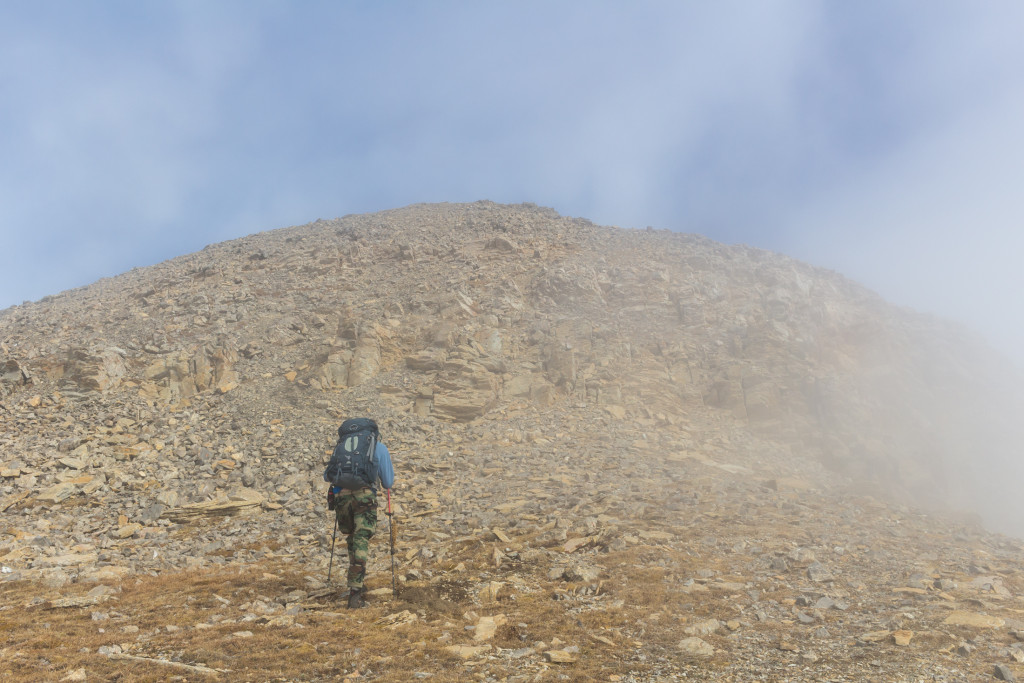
point(817, 572)
point(1004, 673)
point(824, 603)
point(802, 556)
point(151, 513)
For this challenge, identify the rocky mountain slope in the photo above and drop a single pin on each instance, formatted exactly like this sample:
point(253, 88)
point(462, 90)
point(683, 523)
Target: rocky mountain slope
point(787, 464)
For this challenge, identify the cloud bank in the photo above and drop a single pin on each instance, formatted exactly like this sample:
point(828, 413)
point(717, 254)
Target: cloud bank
point(880, 139)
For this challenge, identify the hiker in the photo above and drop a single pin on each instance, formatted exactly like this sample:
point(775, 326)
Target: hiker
point(358, 462)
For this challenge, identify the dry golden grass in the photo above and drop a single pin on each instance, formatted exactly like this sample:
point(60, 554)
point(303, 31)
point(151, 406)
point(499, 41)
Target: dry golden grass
point(326, 642)
point(641, 607)
point(645, 600)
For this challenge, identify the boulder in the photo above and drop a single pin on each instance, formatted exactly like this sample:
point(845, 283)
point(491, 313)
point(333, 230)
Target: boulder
point(95, 369)
point(487, 627)
point(177, 376)
point(12, 374)
point(430, 360)
point(973, 619)
point(365, 363)
point(57, 493)
point(696, 647)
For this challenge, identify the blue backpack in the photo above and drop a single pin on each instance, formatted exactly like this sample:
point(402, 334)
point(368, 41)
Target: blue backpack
point(353, 465)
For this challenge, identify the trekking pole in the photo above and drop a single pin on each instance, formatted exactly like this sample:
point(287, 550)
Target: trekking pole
point(333, 536)
point(391, 533)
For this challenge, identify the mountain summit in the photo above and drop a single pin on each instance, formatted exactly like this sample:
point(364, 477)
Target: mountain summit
point(562, 386)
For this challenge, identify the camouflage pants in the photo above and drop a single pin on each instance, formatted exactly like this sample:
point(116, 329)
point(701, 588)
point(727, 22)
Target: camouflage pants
point(357, 519)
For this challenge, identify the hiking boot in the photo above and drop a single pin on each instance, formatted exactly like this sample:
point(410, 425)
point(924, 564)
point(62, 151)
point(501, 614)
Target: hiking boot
point(355, 598)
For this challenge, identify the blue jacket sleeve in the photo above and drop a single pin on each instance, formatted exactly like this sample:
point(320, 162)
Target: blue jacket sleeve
point(385, 471)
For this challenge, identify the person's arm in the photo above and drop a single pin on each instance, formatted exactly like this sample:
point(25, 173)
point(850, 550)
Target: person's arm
point(385, 471)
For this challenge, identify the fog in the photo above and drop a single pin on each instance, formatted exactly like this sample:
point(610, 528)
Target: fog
point(884, 140)
point(879, 139)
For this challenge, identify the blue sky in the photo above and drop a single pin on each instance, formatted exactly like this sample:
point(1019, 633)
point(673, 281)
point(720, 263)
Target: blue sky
point(882, 139)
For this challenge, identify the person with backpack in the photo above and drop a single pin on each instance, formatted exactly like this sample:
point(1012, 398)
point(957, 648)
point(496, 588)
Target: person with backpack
point(359, 461)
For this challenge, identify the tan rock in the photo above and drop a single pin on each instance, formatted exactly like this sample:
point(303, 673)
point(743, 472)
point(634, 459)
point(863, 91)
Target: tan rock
point(902, 637)
point(461, 405)
point(128, 530)
point(245, 495)
point(12, 374)
point(239, 499)
point(69, 560)
point(617, 412)
point(56, 494)
point(169, 498)
point(468, 651)
point(962, 618)
point(226, 386)
point(560, 656)
point(334, 373)
point(696, 647)
point(426, 361)
point(95, 370)
point(518, 386)
point(397, 619)
point(102, 574)
point(486, 627)
point(365, 363)
point(176, 377)
point(574, 544)
point(703, 628)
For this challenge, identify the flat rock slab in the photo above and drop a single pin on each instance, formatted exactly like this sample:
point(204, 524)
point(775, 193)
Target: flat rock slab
point(57, 493)
point(79, 601)
point(468, 651)
point(703, 628)
point(961, 618)
point(397, 619)
point(238, 500)
point(69, 560)
point(902, 637)
point(696, 646)
point(487, 627)
point(560, 656)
